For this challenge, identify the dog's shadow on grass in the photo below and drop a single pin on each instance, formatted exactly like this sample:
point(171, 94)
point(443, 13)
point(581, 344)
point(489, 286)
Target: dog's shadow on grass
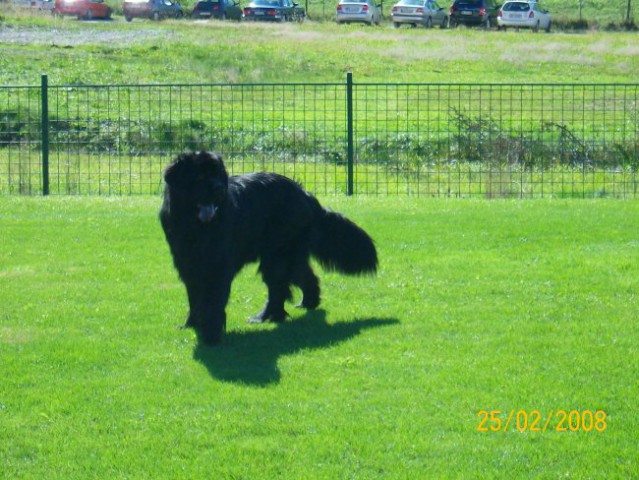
point(250, 356)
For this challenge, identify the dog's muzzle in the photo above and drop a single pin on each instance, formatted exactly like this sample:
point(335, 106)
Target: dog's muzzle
point(206, 213)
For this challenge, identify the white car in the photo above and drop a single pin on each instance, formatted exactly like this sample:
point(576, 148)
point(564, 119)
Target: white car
point(523, 14)
point(363, 11)
point(419, 12)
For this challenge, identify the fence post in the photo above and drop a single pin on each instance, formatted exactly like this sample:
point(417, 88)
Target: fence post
point(349, 123)
point(44, 85)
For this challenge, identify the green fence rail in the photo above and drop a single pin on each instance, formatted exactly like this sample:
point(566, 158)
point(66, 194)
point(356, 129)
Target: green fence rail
point(460, 140)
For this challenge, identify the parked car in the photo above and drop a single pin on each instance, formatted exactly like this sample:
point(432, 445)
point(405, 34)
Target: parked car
point(419, 12)
point(362, 11)
point(220, 9)
point(35, 4)
point(523, 14)
point(474, 12)
point(274, 11)
point(153, 9)
point(83, 9)
point(46, 5)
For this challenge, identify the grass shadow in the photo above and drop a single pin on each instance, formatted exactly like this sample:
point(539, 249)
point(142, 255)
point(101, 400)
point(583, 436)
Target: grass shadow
point(251, 356)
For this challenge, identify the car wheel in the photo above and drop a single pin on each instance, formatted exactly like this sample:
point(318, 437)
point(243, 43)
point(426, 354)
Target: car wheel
point(396, 24)
point(536, 27)
point(128, 19)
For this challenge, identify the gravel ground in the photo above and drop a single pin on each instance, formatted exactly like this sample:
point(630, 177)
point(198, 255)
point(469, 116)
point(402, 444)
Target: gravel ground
point(66, 38)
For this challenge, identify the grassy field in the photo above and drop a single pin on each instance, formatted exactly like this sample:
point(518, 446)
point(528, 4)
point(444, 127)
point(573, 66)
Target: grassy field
point(73, 52)
point(516, 306)
point(502, 305)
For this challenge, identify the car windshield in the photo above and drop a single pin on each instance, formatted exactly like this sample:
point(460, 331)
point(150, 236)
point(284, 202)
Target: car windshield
point(516, 7)
point(468, 3)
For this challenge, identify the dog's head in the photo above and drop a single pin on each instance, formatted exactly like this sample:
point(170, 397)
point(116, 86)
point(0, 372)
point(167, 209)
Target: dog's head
point(200, 181)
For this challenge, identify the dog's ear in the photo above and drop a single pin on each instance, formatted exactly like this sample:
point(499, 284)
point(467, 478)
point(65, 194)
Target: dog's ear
point(204, 157)
point(174, 173)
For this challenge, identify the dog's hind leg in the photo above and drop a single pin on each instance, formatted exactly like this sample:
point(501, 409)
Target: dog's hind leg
point(305, 278)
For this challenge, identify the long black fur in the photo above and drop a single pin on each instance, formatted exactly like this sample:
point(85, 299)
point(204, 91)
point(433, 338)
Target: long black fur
point(215, 224)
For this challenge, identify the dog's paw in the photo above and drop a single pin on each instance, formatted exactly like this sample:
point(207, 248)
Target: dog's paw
point(309, 304)
point(189, 323)
point(269, 316)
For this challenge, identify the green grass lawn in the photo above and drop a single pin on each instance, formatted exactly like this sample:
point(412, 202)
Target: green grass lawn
point(478, 305)
point(116, 52)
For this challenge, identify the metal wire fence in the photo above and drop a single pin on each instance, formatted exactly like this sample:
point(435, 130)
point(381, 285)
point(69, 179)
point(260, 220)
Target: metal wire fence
point(385, 139)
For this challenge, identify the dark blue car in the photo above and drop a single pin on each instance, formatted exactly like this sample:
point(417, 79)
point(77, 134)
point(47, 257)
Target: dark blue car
point(274, 11)
point(219, 9)
point(481, 13)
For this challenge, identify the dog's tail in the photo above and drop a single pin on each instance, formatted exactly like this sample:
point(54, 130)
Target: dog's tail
point(340, 245)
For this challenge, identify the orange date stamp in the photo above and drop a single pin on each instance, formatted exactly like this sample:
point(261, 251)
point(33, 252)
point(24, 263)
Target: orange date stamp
point(536, 421)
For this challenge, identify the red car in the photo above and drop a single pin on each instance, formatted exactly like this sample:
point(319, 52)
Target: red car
point(87, 9)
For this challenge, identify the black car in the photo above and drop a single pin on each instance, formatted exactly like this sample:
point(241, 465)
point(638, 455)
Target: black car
point(474, 12)
point(274, 11)
point(220, 9)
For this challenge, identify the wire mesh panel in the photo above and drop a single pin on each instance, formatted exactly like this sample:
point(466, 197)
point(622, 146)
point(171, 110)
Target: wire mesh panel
point(20, 135)
point(497, 140)
point(410, 139)
point(117, 139)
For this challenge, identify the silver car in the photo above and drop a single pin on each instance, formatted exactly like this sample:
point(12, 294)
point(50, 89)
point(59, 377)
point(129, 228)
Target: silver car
point(419, 12)
point(523, 14)
point(363, 11)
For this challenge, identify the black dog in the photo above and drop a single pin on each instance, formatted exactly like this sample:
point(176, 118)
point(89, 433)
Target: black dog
point(215, 224)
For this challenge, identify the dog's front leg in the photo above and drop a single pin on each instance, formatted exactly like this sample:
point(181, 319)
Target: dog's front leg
point(211, 310)
point(194, 295)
